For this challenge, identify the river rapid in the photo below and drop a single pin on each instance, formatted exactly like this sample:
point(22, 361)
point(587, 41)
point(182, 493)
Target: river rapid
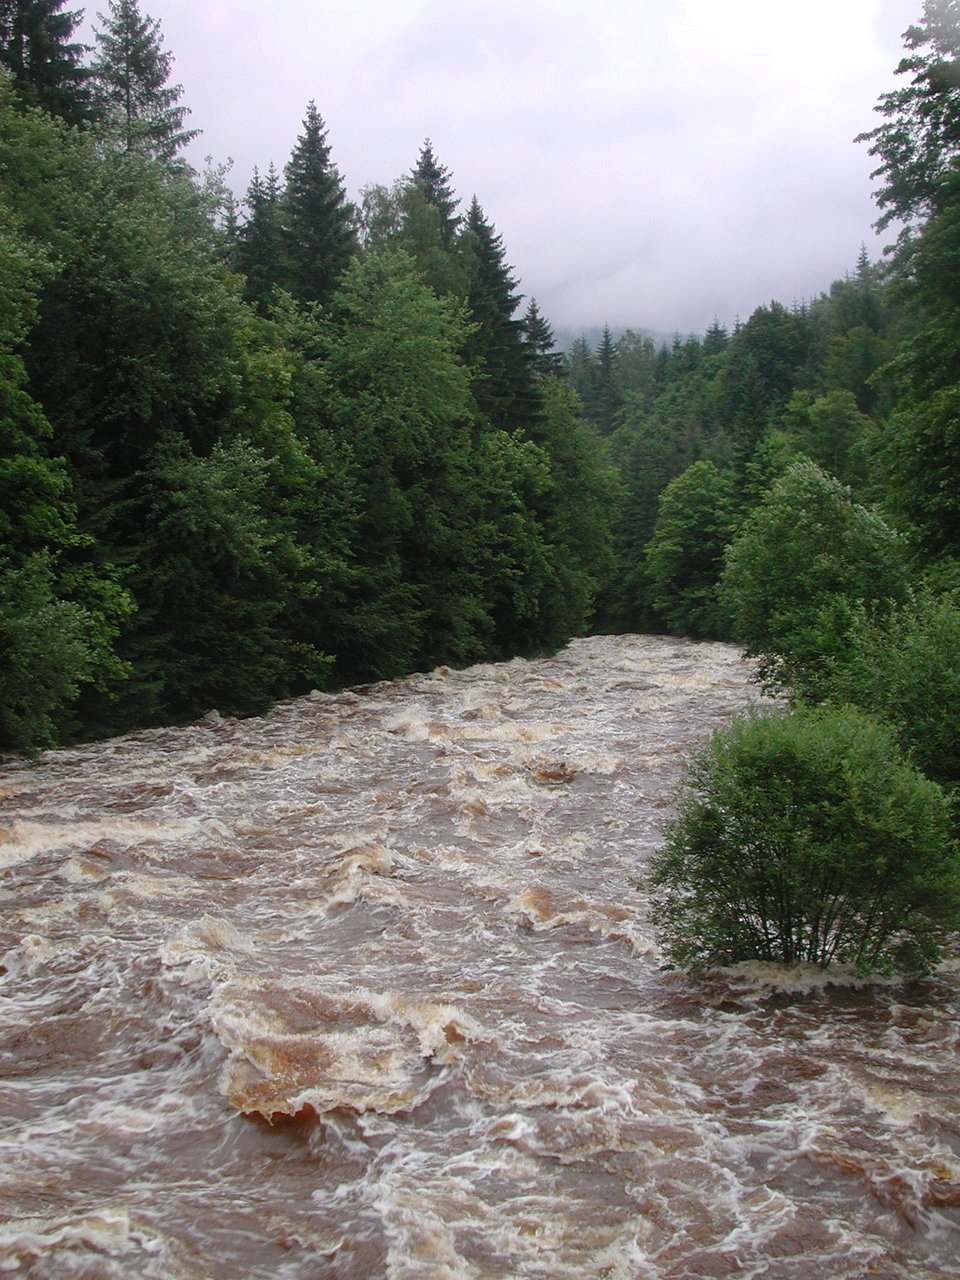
point(364, 988)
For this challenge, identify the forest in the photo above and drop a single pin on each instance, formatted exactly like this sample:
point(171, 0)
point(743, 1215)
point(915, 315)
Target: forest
point(254, 448)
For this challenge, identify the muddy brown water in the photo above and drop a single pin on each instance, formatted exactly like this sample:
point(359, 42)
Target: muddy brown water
point(364, 989)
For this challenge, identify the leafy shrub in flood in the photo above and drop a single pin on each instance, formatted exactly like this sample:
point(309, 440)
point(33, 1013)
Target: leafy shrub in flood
point(806, 837)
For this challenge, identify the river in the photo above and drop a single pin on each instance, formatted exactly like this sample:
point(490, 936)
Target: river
point(366, 988)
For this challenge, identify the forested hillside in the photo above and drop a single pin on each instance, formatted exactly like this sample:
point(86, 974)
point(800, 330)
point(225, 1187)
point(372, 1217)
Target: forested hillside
point(247, 452)
point(249, 449)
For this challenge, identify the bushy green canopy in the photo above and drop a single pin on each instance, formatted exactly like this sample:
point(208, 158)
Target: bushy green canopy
point(806, 837)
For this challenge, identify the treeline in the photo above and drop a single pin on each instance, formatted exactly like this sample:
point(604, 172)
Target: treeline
point(248, 452)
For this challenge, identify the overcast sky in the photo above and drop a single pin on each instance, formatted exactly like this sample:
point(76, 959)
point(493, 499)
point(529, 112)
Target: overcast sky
point(652, 163)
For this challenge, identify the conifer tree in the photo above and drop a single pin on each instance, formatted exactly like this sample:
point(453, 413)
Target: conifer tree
point(433, 179)
point(318, 222)
point(36, 47)
point(505, 391)
point(131, 74)
point(258, 253)
point(582, 371)
point(545, 360)
point(607, 398)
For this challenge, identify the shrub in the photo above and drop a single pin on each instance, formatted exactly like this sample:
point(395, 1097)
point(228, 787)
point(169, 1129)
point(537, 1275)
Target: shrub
point(803, 561)
point(806, 837)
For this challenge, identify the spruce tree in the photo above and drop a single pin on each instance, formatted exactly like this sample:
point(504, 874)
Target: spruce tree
point(36, 47)
point(258, 249)
point(545, 360)
point(318, 222)
point(607, 397)
point(505, 390)
point(433, 179)
point(131, 74)
point(582, 371)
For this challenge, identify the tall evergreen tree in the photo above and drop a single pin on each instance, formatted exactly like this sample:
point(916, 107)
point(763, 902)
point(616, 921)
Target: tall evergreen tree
point(607, 397)
point(36, 47)
point(433, 179)
point(582, 371)
point(545, 360)
point(319, 224)
point(258, 249)
point(131, 74)
point(504, 389)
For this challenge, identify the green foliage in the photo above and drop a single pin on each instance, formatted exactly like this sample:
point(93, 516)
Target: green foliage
point(433, 181)
point(684, 557)
point(577, 512)
point(53, 640)
point(906, 671)
point(920, 452)
point(537, 334)
point(259, 254)
point(130, 73)
point(211, 580)
point(803, 560)
point(46, 66)
point(316, 220)
point(806, 838)
point(830, 430)
point(504, 387)
point(60, 612)
point(919, 140)
point(398, 397)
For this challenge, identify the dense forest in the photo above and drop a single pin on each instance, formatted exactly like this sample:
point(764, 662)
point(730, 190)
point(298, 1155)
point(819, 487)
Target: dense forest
point(251, 449)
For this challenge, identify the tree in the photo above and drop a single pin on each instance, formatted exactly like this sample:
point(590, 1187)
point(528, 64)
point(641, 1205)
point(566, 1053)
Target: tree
point(317, 221)
point(576, 510)
point(398, 397)
point(921, 446)
point(905, 671)
point(831, 430)
point(259, 249)
point(804, 559)
point(504, 385)
point(131, 72)
point(35, 46)
point(684, 558)
point(433, 180)
point(606, 397)
point(60, 611)
point(403, 217)
point(582, 371)
point(807, 838)
point(919, 142)
point(545, 360)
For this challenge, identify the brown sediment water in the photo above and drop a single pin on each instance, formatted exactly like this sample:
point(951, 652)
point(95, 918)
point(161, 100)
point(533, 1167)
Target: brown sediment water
point(364, 989)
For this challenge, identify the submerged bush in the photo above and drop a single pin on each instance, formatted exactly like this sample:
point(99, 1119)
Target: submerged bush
point(806, 837)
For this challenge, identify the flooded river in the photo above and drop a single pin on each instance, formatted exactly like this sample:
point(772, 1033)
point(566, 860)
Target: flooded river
point(364, 989)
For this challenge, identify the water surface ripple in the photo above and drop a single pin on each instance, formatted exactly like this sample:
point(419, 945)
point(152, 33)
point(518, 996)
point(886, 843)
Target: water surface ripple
point(363, 989)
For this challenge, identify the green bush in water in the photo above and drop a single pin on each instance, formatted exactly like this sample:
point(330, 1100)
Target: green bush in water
point(807, 837)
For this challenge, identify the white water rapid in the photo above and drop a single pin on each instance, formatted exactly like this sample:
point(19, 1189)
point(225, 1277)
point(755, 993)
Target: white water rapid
point(364, 989)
